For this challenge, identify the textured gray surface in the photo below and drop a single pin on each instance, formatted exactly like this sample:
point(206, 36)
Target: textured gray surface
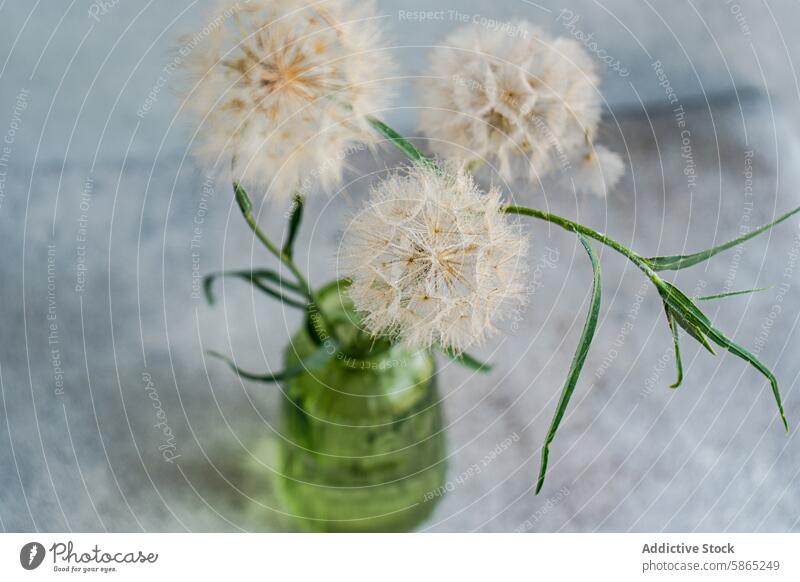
point(631, 455)
point(709, 456)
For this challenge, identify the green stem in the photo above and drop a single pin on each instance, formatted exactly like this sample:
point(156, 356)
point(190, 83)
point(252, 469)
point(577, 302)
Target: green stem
point(247, 212)
point(684, 312)
point(573, 226)
point(415, 155)
point(680, 309)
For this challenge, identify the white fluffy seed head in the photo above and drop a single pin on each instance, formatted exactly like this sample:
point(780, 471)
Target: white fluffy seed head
point(432, 259)
point(281, 89)
point(526, 102)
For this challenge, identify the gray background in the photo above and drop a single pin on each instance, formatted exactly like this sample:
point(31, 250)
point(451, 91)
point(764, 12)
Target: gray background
point(631, 455)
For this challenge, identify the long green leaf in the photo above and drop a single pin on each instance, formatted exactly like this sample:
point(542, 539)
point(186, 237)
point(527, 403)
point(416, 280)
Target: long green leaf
point(294, 225)
point(468, 361)
point(577, 361)
point(673, 327)
point(263, 280)
point(737, 350)
point(691, 314)
point(676, 262)
point(315, 359)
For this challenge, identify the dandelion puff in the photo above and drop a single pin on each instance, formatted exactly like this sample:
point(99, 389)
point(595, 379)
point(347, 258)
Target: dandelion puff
point(523, 102)
point(280, 89)
point(597, 171)
point(432, 259)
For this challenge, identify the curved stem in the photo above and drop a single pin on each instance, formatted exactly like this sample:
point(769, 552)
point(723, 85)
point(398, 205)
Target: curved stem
point(415, 155)
point(247, 212)
point(680, 309)
point(573, 226)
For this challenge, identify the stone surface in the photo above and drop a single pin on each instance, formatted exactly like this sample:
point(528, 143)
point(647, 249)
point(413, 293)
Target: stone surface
point(631, 453)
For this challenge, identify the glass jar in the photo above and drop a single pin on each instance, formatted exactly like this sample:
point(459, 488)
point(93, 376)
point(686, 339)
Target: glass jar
point(362, 446)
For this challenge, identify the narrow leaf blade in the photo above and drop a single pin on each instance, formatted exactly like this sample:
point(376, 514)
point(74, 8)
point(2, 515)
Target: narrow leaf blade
point(673, 327)
point(737, 350)
point(263, 279)
point(401, 143)
point(676, 262)
point(315, 359)
point(577, 361)
point(693, 330)
point(294, 225)
point(683, 307)
point(731, 293)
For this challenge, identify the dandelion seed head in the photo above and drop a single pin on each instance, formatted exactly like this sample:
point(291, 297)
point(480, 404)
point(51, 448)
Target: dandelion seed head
point(522, 102)
point(280, 90)
point(432, 259)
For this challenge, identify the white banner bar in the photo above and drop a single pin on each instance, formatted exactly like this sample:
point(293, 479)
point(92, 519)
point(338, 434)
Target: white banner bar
point(400, 557)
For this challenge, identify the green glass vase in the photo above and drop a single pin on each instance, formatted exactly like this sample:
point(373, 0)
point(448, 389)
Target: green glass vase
point(362, 446)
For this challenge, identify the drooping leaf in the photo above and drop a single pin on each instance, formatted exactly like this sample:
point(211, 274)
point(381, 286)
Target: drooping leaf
point(577, 361)
point(732, 293)
point(689, 316)
point(676, 262)
point(680, 317)
point(673, 327)
point(317, 358)
point(264, 280)
point(721, 340)
point(468, 361)
point(294, 225)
